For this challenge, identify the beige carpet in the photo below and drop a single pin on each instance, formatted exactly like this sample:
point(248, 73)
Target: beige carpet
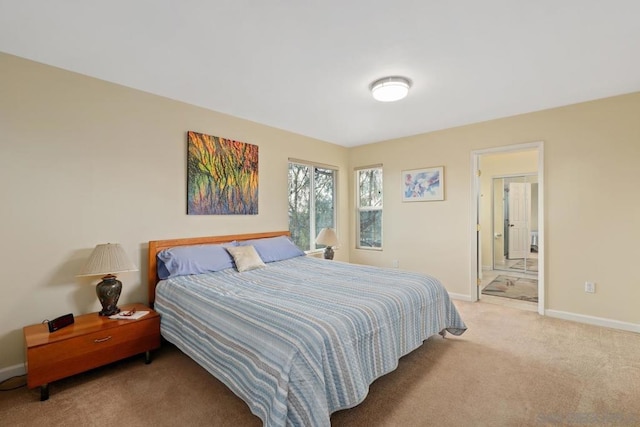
point(511, 368)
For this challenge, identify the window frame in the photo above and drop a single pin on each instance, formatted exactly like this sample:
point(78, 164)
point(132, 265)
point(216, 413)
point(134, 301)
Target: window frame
point(360, 209)
point(313, 231)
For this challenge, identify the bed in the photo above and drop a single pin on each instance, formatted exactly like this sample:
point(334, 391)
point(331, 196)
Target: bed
point(296, 337)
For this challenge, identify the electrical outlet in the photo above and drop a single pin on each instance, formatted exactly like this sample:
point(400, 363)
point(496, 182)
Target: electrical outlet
point(590, 287)
point(395, 263)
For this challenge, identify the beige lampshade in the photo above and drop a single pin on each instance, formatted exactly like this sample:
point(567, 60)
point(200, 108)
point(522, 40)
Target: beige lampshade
point(108, 258)
point(327, 237)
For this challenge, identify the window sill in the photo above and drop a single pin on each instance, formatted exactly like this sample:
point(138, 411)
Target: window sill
point(315, 252)
point(320, 252)
point(366, 248)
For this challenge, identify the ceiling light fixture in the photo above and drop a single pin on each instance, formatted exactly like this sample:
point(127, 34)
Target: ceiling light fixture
point(389, 89)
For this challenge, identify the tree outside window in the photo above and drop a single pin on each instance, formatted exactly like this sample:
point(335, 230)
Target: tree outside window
point(369, 215)
point(311, 202)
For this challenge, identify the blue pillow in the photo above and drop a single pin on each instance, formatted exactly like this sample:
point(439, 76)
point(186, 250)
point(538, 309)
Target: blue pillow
point(196, 259)
point(273, 249)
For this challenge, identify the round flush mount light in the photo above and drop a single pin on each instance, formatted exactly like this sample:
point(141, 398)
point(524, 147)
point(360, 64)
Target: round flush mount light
point(389, 89)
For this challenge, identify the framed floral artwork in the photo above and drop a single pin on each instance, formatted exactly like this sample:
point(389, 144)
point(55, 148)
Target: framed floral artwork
point(423, 185)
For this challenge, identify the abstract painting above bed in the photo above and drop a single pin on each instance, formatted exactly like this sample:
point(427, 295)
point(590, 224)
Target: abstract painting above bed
point(222, 176)
point(303, 337)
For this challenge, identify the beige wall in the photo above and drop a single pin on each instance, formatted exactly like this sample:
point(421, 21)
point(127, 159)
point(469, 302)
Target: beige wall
point(84, 162)
point(592, 210)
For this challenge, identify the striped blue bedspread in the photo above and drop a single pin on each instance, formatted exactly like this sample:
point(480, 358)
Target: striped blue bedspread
point(305, 337)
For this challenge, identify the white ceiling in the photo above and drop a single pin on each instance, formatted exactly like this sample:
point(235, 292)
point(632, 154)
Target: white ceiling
point(305, 66)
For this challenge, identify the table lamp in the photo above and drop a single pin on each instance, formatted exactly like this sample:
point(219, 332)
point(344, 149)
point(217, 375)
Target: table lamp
point(108, 259)
point(328, 238)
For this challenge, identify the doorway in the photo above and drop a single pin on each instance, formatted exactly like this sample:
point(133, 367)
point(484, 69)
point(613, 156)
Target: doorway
point(522, 243)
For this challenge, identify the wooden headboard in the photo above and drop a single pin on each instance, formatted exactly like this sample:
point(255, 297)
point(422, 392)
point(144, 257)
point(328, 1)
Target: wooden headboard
point(156, 246)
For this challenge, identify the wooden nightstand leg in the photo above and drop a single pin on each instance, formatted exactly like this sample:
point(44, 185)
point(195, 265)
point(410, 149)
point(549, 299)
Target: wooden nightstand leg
point(147, 357)
point(44, 392)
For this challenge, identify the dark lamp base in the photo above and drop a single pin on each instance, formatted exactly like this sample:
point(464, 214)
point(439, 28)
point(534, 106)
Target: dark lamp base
point(109, 312)
point(328, 253)
point(108, 292)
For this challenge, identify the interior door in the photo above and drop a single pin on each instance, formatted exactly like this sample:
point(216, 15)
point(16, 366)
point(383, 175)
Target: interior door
point(519, 203)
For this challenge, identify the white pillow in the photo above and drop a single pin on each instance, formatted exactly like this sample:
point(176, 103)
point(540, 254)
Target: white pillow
point(245, 257)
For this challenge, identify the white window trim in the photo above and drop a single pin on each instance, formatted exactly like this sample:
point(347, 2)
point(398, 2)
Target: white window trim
point(366, 209)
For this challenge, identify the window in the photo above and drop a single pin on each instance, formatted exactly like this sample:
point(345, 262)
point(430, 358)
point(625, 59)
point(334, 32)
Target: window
point(312, 195)
point(369, 205)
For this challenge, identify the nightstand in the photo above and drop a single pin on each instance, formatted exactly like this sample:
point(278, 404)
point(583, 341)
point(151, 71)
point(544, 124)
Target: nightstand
point(90, 342)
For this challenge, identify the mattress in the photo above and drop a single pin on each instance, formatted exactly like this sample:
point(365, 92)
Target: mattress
point(302, 338)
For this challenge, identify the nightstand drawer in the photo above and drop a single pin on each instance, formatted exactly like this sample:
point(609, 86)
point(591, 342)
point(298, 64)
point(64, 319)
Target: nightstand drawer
point(114, 340)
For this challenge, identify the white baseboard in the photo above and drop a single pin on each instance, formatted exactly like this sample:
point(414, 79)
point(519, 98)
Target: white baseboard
point(580, 318)
point(461, 297)
point(592, 320)
point(12, 371)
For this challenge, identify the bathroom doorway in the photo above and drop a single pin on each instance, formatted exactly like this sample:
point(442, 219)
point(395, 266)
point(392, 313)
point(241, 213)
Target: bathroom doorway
point(521, 247)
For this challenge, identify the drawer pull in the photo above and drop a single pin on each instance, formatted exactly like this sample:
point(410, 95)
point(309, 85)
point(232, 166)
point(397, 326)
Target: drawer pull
point(102, 339)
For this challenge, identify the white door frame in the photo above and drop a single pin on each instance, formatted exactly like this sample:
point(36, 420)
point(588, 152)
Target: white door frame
point(474, 234)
